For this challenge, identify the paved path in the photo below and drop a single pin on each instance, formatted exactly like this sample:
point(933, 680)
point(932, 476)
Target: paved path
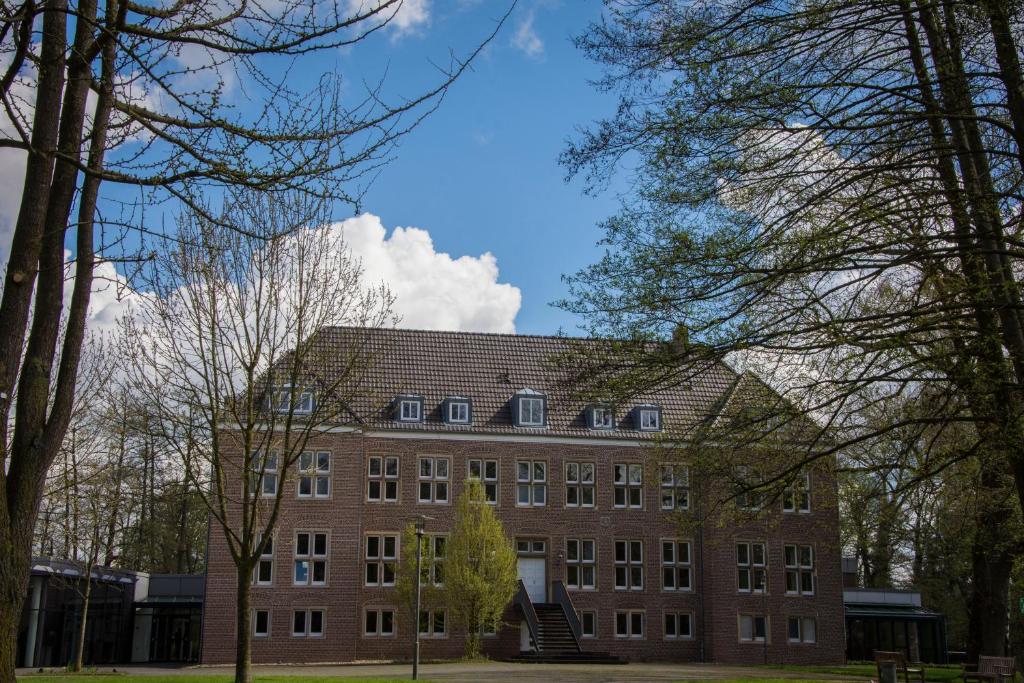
point(500, 671)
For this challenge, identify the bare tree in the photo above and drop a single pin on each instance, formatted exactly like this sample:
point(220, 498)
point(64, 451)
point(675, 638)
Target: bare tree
point(132, 95)
point(229, 341)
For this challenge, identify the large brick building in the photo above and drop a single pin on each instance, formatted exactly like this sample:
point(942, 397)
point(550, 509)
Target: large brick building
point(594, 517)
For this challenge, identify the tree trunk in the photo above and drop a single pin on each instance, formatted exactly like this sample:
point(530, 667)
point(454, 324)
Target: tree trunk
point(243, 617)
point(80, 647)
point(991, 563)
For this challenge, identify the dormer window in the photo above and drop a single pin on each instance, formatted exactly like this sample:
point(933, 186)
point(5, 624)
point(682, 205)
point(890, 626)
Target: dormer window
point(600, 417)
point(529, 408)
point(457, 410)
point(409, 408)
point(282, 397)
point(647, 418)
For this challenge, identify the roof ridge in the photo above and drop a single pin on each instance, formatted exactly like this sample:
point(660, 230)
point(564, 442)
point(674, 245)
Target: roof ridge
point(418, 330)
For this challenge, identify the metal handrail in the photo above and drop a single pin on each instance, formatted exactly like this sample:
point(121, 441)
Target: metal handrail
point(562, 597)
point(522, 599)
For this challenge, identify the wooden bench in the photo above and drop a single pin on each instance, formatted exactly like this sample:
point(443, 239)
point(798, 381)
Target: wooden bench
point(900, 660)
point(991, 669)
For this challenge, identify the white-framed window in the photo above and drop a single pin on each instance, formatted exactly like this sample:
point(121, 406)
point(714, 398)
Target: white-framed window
point(378, 622)
point(531, 483)
point(802, 630)
point(753, 628)
point(281, 398)
point(675, 487)
point(487, 472)
point(629, 486)
point(410, 410)
point(263, 575)
point(629, 623)
point(602, 417)
point(751, 567)
point(310, 559)
point(629, 565)
point(315, 474)
point(650, 419)
point(797, 496)
point(526, 546)
point(261, 623)
point(799, 561)
point(382, 479)
point(264, 473)
point(678, 625)
point(676, 566)
point(458, 412)
point(433, 623)
point(434, 480)
point(588, 623)
point(381, 559)
point(749, 497)
point(579, 484)
point(580, 563)
point(308, 623)
point(435, 556)
point(531, 411)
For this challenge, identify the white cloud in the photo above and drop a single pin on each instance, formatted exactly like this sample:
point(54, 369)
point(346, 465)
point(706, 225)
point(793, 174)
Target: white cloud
point(432, 289)
point(526, 39)
point(409, 18)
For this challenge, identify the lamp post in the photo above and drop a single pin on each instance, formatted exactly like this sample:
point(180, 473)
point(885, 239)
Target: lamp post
point(420, 522)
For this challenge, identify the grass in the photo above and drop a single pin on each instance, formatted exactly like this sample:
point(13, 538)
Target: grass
point(188, 678)
point(932, 672)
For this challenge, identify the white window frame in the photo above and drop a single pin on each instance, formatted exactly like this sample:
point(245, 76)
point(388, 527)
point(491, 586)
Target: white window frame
point(628, 478)
point(796, 498)
point(583, 631)
point(281, 398)
point(675, 495)
point(308, 623)
point(410, 415)
point(677, 619)
point(311, 558)
point(256, 633)
point(532, 483)
point(455, 408)
point(269, 464)
point(799, 566)
point(802, 636)
point(431, 622)
point(630, 633)
point(752, 567)
point(650, 420)
point(489, 482)
point(314, 472)
point(607, 416)
point(753, 637)
point(576, 558)
point(379, 631)
point(381, 559)
point(536, 404)
point(676, 566)
point(434, 481)
point(578, 484)
point(626, 563)
point(266, 559)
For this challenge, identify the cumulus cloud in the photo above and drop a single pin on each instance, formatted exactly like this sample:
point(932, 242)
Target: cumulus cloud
point(410, 17)
point(526, 39)
point(432, 289)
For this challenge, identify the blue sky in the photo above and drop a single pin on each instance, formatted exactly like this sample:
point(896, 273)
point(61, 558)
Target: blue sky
point(481, 174)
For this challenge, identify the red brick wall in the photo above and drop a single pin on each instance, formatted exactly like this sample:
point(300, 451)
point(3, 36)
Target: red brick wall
point(347, 518)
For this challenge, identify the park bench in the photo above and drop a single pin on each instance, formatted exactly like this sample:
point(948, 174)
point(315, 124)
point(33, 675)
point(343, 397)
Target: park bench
point(991, 669)
point(900, 660)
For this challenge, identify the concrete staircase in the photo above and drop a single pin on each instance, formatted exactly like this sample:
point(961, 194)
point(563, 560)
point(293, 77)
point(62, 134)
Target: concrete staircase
point(556, 642)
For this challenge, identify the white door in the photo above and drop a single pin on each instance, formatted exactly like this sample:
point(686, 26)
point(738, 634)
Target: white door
point(531, 571)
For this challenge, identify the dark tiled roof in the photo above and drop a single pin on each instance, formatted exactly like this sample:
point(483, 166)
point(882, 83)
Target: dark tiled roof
point(489, 369)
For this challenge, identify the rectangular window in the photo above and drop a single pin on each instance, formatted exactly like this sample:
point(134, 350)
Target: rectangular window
point(409, 410)
point(675, 487)
point(753, 628)
point(650, 419)
point(531, 483)
point(802, 630)
point(487, 472)
point(676, 569)
point(263, 575)
point(314, 474)
point(264, 473)
point(261, 623)
point(629, 624)
point(580, 561)
point(308, 622)
point(797, 496)
point(382, 479)
point(381, 559)
point(629, 565)
point(282, 397)
point(749, 498)
point(379, 622)
point(531, 412)
point(678, 626)
point(436, 556)
point(588, 623)
point(629, 486)
point(579, 484)
point(602, 418)
point(799, 560)
point(458, 412)
point(310, 559)
point(432, 623)
point(433, 480)
point(751, 567)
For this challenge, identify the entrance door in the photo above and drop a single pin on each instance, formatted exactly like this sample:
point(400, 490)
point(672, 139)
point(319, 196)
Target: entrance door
point(531, 571)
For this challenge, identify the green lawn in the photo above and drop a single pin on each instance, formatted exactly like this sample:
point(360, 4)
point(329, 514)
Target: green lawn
point(187, 678)
point(937, 673)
